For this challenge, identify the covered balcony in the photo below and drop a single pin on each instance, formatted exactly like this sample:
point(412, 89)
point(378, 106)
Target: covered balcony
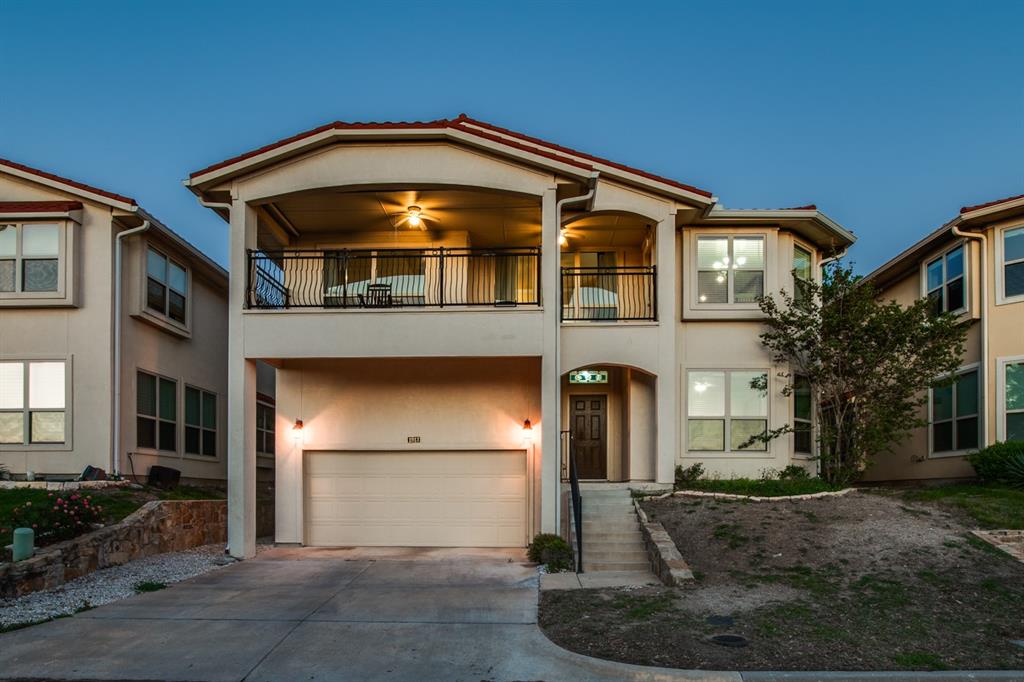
point(607, 269)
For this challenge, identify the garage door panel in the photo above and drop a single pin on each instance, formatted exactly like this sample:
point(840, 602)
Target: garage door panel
point(472, 498)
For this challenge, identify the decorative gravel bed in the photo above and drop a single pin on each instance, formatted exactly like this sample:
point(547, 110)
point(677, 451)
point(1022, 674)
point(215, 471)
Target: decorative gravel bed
point(110, 584)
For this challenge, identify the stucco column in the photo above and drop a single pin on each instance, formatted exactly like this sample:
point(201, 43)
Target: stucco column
point(667, 389)
point(241, 394)
point(549, 382)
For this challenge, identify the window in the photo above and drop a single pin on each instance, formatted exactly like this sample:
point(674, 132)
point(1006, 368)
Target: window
point(166, 286)
point(726, 409)
point(156, 424)
point(1013, 407)
point(730, 269)
point(1013, 262)
point(945, 282)
point(955, 423)
point(200, 422)
point(30, 258)
point(32, 402)
point(802, 275)
point(265, 438)
point(803, 436)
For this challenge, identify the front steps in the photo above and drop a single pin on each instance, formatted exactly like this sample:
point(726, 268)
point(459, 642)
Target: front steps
point(611, 532)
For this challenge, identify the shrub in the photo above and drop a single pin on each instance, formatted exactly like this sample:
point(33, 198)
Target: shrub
point(552, 551)
point(61, 517)
point(794, 473)
point(994, 464)
point(689, 475)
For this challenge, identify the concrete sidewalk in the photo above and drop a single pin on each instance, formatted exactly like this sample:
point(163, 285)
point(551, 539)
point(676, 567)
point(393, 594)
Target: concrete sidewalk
point(339, 615)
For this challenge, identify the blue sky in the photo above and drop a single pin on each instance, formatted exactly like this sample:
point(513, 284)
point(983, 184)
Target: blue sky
point(888, 115)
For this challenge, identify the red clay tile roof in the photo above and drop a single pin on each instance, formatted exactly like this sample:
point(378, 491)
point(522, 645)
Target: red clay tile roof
point(66, 181)
point(968, 209)
point(467, 125)
point(39, 206)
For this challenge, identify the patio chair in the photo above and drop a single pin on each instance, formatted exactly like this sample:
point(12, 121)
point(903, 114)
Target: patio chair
point(377, 296)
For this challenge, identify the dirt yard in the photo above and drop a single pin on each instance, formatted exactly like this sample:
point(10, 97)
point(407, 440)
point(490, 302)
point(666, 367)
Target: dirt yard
point(862, 582)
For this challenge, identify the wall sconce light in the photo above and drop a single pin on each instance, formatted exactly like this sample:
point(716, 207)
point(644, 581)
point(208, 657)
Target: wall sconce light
point(297, 431)
point(527, 431)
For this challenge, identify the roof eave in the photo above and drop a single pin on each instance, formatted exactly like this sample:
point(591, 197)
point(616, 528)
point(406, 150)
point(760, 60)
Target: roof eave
point(829, 226)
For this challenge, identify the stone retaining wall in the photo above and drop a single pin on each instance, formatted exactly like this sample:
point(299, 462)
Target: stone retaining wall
point(154, 528)
point(66, 485)
point(666, 561)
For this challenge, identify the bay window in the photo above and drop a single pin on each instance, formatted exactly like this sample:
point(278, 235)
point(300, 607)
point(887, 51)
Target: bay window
point(726, 409)
point(1013, 400)
point(955, 425)
point(730, 269)
point(1013, 262)
point(802, 275)
point(33, 397)
point(166, 286)
point(945, 282)
point(30, 258)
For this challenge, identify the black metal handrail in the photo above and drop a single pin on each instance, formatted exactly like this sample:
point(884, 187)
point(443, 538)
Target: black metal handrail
point(575, 496)
point(601, 294)
point(389, 278)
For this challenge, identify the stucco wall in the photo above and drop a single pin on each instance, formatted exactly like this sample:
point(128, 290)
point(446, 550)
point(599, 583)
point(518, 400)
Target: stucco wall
point(81, 336)
point(367, 404)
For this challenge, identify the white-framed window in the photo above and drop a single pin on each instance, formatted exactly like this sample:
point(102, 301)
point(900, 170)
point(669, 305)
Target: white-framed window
point(803, 416)
point(1011, 399)
point(156, 422)
point(33, 402)
point(945, 282)
point(803, 270)
point(955, 411)
point(30, 258)
point(166, 286)
point(265, 429)
point(730, 269)
point(1010, 245)
point(200, 422)
point(725, 408)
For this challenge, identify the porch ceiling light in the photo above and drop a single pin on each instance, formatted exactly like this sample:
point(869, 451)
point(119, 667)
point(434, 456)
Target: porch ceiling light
point(414, 219)
point(527, 430)
point(297, 430)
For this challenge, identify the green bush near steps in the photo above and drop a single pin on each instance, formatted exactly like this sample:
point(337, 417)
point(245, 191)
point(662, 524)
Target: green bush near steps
point(552, 551)
point(1000, 463)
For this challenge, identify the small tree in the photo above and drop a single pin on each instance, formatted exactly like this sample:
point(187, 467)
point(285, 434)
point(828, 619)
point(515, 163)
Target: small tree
point(868, 364)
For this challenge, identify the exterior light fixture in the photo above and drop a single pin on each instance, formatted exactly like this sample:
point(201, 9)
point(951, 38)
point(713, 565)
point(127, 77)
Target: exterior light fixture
point(414, 216)
point(527, 430)
point(297, 430)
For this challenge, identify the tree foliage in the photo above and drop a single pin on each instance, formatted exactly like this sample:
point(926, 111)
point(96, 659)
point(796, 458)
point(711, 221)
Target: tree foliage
point(868, 364)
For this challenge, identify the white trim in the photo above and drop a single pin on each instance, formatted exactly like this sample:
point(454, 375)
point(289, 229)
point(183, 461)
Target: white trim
point(963, 369)
point(1001, 298)
point(1001, 365)
point(730, 304)
point(966, 308)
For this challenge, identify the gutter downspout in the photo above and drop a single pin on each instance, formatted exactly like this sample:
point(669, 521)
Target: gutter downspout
point(588, 197)
point(115, 454)
point(982, 292)
point(825, 261)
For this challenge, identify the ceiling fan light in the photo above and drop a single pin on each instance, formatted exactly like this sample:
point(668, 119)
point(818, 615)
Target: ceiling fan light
point(414, 216)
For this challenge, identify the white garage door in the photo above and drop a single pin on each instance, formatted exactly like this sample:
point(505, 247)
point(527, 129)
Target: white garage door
point(416, 499)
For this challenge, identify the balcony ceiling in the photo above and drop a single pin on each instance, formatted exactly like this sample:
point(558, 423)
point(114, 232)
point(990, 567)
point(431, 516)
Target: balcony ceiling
point(491, 219)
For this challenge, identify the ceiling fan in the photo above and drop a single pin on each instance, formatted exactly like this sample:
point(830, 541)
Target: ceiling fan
point(414, 217)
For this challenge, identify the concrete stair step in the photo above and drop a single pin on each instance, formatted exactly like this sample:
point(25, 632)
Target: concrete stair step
point(609, 526)
point(601, 545)
point(590, 554)
point(617, 537)
point(615, 565)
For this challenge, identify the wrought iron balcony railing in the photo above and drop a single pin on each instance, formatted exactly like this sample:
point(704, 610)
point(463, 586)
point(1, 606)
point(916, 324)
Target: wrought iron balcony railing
point(602, 294)
point(394, 278)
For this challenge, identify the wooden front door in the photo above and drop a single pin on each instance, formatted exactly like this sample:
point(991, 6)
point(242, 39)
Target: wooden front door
point(589, 418)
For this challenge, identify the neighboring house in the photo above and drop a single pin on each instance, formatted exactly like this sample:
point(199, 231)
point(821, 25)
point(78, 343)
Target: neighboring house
point(443, 299)
point(58, 321)
point(973, 266)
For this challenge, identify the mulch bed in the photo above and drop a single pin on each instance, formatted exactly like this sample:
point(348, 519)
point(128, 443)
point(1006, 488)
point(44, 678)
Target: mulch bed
point(861, 582)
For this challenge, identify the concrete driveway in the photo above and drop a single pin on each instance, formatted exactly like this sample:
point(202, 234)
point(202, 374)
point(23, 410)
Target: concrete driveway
point(305, 614)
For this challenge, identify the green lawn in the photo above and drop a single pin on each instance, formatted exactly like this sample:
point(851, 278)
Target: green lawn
point(990, 506)
point(760, 487)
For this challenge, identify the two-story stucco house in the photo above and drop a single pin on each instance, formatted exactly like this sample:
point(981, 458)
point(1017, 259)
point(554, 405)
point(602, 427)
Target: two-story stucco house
point(973, 265)
point(119, 373)
point(447, 301)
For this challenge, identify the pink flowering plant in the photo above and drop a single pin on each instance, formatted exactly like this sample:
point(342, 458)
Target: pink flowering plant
point(61, 517)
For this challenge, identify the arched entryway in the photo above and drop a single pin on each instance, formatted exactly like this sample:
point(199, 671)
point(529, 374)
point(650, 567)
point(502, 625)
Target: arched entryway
point(609, 412)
